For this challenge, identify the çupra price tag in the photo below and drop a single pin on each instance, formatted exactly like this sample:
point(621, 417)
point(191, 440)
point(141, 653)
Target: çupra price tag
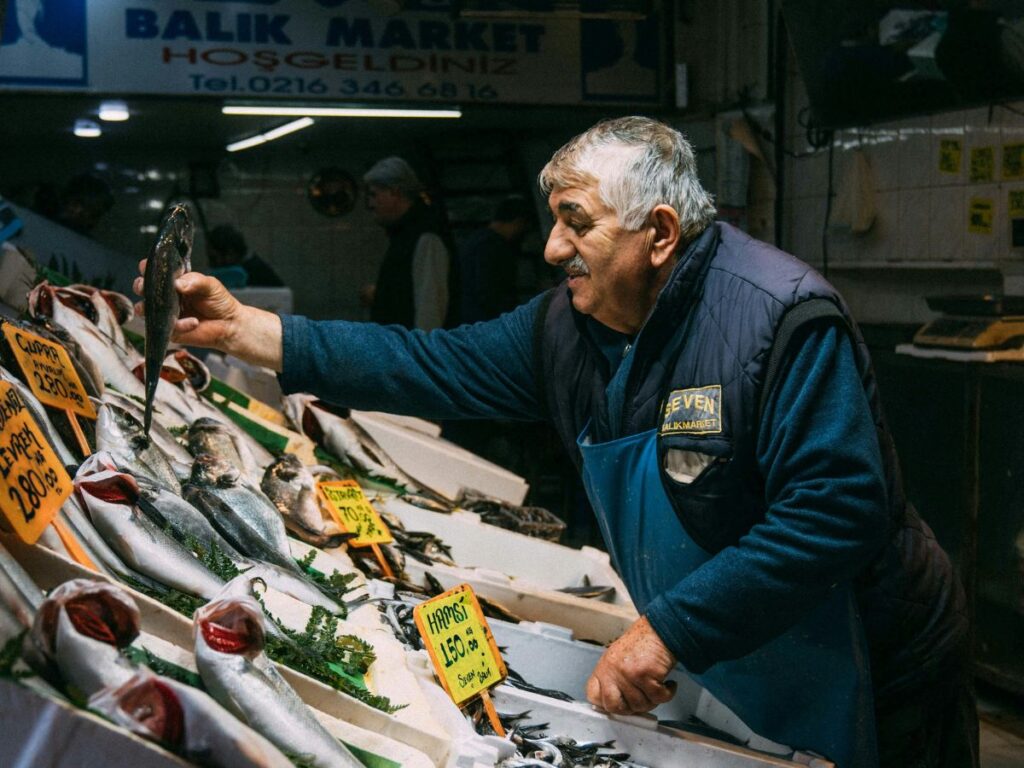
point(33, 482)
point(51, 375)
point(460, 643)
point(353, 513)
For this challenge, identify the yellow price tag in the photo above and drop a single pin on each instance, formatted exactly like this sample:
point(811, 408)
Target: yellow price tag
point(460, 643)
point(51, 375)
point(979, 216)
point(950, 152)
point(33, 483)
point(353, 513)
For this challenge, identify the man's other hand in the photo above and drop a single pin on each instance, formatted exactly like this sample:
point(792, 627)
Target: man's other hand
point(630, 677)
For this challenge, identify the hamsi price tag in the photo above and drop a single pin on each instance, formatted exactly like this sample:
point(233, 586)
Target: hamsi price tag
point(50, 373)
point(353, 513)
point(33, 482)
point(460, 643)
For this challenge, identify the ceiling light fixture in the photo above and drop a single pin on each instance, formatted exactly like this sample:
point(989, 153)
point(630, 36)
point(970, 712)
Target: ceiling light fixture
point(283, 111)
point(114, 111)
point(87, 129)
point(276, 133)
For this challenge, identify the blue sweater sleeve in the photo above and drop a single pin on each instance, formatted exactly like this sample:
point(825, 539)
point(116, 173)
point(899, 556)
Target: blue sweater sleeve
point(826, 513)
point(484, 370)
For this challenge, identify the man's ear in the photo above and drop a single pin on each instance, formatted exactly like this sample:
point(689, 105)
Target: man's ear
point(665, 222)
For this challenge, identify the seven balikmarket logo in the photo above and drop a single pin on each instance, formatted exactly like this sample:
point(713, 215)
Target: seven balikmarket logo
point(696, 411)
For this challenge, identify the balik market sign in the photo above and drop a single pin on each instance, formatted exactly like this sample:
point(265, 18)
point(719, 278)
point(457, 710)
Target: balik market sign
point(337, 50)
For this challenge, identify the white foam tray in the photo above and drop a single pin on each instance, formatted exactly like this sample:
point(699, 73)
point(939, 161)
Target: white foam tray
point(646, 742)
point(49, 569)
point(42, 731)
point(476, 544)
point(439, 464)
point(548, 656)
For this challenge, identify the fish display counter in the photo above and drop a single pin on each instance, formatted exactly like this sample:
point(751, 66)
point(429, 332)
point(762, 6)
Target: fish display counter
point(193, 594)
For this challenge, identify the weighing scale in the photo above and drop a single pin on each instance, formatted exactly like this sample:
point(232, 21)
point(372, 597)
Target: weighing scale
point(984, 322)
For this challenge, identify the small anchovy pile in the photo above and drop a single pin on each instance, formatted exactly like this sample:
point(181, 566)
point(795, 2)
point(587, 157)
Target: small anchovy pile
point(538, 749)
point(531, 521)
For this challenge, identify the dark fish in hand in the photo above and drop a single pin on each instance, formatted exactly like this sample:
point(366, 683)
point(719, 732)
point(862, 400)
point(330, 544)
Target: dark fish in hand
point(169, 260)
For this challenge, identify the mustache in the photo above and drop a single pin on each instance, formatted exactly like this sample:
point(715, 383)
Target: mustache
point(575, 266)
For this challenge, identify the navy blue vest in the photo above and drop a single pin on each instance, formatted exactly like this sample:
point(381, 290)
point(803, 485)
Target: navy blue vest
point(711, 334)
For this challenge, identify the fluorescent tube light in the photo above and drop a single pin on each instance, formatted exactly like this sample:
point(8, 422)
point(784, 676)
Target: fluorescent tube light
point(284, 130)
point(275, 133)
point(87, 129)
point(114, 111)
point(282, 111)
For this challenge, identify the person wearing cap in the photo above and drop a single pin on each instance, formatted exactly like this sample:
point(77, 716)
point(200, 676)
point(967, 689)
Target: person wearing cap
point(488, 261)
point(412, 284)
point(720, 404)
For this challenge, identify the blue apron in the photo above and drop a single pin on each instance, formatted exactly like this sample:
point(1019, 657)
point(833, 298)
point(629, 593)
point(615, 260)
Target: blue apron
point(809, 688)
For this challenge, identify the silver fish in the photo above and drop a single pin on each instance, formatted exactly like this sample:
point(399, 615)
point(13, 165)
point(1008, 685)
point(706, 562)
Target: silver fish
point(242, 513)
point(120, 434)
point(188, 721)
point(290, 485)
point(169, 259)
point(112, 311)
point(73, 310)
point(110, 497)
point(229, 636)
point(212, 435)
point(180, 459)
point(81, 627)
point(345, 439)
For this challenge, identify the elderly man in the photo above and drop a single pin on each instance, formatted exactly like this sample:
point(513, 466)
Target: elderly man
point(720, 405)
point(412, 286)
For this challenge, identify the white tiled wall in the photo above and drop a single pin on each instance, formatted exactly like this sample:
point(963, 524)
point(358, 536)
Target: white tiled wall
point(920, 243)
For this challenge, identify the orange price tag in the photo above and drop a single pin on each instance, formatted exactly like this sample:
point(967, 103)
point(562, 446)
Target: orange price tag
point(353, 514)
point(51, 375)
point(460, 643)
point(33, 483)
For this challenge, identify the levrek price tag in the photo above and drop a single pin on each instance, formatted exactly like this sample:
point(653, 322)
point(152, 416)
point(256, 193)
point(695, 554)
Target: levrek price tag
point(50, 372)
point(33, 483)
point(353, 513)
point(460, 644)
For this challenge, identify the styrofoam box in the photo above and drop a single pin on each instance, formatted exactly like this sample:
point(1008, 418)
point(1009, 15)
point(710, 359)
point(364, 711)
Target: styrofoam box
point(476, 544)
point(441, 465)
point(548, 656)
point(49, 569)
point(646, 742)
point(42, 731)
point(536, 569)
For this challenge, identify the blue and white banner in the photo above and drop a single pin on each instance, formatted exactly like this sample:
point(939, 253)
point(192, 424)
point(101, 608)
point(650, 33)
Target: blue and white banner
point(351, 50)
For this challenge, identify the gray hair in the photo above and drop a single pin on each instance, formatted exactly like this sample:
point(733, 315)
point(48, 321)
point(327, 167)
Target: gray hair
point(394, 173)
point(637, 164)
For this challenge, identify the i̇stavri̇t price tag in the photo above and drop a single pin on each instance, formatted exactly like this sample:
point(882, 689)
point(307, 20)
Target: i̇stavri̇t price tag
point(460, 643)
point(33, 482)
point(51, 375)
point(353, 513)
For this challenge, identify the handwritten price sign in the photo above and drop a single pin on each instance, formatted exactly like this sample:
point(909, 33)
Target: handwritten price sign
point(353, 513)
point(460, 643)
point(33, 483)
point(50, 372)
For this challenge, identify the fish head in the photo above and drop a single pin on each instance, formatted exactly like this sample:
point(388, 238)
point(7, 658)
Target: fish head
point(205, 435)
point(122, 306)
point(209, 470)
point(146, 705)
point(232, 625)
point(288, 468)
point(109, 485)
point(195, 370)
point(101, 611)
point(180, 226)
